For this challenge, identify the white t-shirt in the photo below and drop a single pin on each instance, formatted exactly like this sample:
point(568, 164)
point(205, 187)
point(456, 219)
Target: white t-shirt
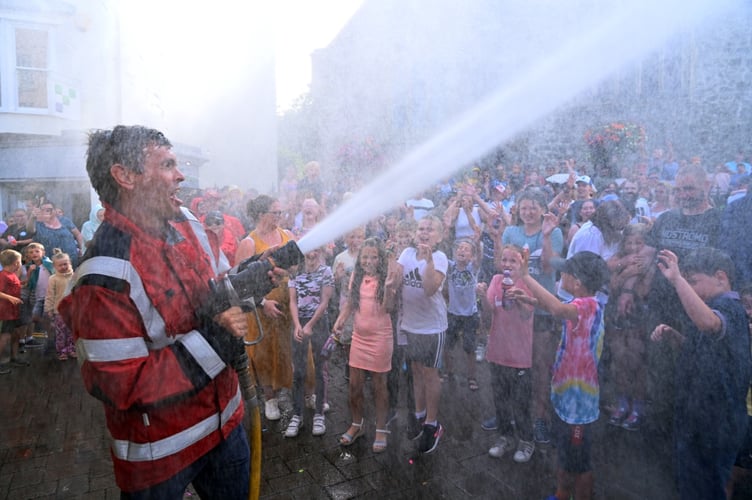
point(421, 207)
point(420, 313)
point(348, 261)
point(589, 237)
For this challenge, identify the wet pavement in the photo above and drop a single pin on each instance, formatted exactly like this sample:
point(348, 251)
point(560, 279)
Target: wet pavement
point(53, 444)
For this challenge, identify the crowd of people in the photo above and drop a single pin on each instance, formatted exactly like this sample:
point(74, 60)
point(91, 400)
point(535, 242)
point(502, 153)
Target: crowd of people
point(570, 283)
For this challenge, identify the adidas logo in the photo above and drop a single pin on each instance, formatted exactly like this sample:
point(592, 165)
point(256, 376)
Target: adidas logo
point(413, 279)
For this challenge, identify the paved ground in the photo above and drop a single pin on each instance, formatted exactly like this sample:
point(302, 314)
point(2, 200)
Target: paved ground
point(53, 445)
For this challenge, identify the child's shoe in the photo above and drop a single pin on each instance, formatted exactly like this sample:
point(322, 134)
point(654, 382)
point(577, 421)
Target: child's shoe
point(293, 428)
point(319, 425)
point(502, 445)
point(620, 412)
point(271, 409)
point(541, 432)
point(632, 422)
point(524, 451)
point(310, 401)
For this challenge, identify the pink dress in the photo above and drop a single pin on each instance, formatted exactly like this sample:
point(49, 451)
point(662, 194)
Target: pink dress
point(372, 341)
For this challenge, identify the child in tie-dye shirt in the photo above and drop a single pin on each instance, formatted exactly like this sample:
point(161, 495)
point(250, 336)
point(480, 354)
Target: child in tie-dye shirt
point(575, 391)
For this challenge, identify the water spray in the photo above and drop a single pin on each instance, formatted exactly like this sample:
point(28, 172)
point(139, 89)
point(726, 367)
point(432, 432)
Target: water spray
point(629, 32)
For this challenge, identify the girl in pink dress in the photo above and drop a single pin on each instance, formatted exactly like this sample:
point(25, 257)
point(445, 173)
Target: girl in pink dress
point(373, 288)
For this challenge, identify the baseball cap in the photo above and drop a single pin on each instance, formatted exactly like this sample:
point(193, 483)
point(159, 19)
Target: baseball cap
point(587, 180)
point(500, 187)
point(586, 266)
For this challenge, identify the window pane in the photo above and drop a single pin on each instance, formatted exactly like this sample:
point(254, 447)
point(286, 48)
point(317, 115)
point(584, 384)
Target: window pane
point(32, 89)
point(31, 67)
point(31, 48)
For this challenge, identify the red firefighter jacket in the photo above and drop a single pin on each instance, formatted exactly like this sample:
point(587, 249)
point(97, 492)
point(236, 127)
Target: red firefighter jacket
point(168, 397)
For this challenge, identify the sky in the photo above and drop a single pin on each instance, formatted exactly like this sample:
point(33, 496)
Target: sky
point(202, 74)
point(313, 26)
point(198, 34)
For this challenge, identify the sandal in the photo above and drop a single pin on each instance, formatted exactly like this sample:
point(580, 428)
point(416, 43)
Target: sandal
point(379, 445)
point(472, 384)
point(348, 437)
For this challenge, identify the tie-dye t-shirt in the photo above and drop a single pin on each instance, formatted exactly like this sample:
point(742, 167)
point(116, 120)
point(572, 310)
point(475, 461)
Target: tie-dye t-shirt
point(575, 392)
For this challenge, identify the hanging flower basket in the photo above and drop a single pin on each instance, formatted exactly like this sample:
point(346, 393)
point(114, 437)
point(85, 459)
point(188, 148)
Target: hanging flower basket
point(614, 141)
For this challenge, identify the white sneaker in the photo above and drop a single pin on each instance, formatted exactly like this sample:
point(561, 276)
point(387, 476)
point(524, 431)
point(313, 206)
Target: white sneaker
point(310, 401)
point(326, 407)
point(480, 353)
point(271, 409)
point(524, 451)
point(502, 445)
point(293, 428)
point(319, 425)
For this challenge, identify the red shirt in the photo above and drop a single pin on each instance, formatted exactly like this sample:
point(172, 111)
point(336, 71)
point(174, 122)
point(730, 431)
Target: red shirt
point(11, 285)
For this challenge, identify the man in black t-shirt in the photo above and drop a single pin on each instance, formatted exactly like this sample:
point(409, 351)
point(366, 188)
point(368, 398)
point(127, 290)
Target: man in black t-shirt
point(693, 224)
point(16, 236)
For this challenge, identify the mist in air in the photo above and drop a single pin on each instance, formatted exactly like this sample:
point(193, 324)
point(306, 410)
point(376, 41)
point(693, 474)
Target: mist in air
point(556, 64)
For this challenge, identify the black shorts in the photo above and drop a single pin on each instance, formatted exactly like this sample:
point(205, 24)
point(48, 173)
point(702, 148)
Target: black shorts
point(467, 325)
point(8, 325)
point(573, 444)
point(27, 308)
point(425, 348)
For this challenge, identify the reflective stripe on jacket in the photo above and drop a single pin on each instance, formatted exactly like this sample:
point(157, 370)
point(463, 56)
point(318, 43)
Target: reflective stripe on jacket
point(168, 397)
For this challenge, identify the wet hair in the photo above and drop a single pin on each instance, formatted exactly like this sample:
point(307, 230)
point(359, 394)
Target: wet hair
point(608, 217)
point(536, 195)
point(508, 246)
point(58, 254)
point(639, 229)
point(695, 171)
point(359, 273)
point(707, 260)
point(406, 226)
point(259, 206)
point(467, 241)
point(9, 257)
point(124, 145)
point(437, 220)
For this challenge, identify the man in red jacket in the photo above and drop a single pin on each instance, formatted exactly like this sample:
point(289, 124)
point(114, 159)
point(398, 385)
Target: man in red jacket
point(160, 366)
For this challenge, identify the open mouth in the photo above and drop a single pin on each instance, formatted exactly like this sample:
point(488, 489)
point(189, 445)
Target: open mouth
point(174, 199)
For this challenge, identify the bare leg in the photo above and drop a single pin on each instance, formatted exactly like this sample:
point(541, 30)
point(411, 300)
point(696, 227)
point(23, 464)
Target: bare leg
point(471, 372)
point(432, 391)
point(15, 339)
point(357, 379)
point(565, 484)
point(4, 339)
point(583, 486)
point(378, 382)
point(419, 390)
